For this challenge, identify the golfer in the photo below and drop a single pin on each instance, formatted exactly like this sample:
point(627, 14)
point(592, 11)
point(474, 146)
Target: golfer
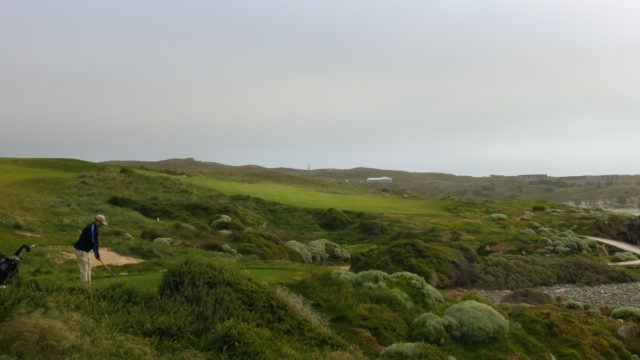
point(88, 241)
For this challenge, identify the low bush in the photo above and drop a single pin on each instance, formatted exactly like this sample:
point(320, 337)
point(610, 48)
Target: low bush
point(498, 217)
point(429, 328)
point(333, 219)
point(573, 305)
point(500, 271)
point(475, 322)
point(406, 287)
point(373, 228)
point(626, 313)
point(442, 266)
point(623, 256)
point(412, 351)
point(319, 251)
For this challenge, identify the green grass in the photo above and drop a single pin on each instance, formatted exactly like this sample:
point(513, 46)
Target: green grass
point(303, 197)
point(13, 172)
point(144, 281)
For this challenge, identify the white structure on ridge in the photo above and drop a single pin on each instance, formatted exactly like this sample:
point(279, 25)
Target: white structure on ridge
point(383, 179)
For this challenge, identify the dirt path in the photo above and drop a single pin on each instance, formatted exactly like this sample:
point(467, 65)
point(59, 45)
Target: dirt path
point(109, 257)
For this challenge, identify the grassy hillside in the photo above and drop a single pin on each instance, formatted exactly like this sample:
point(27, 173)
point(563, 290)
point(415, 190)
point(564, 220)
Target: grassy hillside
point(280, 266)
point(614, 191)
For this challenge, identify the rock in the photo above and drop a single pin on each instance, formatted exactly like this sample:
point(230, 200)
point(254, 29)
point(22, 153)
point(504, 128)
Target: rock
point(163, 241)
point(225, 218)
point(128, 236)
point(224, 232)
point(628, 332)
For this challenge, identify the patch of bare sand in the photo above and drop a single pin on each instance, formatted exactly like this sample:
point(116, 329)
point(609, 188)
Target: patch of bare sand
point(108, 256)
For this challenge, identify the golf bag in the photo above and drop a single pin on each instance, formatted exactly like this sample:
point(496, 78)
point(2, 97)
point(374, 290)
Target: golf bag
point(9, 265)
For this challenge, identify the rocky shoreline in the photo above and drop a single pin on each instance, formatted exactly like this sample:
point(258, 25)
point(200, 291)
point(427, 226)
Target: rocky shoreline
point(608, 295)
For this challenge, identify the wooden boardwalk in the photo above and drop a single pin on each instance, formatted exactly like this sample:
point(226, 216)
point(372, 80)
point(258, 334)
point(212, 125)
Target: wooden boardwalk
point(622, 246)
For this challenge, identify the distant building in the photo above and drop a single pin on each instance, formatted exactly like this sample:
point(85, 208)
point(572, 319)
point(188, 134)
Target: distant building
point(609, 177)
point(583, 177)
point(383, 179)
point(534, 176)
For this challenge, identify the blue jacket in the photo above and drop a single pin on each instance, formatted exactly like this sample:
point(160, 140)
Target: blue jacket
point(88, 239)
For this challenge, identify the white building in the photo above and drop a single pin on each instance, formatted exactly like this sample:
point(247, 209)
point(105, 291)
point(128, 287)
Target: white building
point(383, 179)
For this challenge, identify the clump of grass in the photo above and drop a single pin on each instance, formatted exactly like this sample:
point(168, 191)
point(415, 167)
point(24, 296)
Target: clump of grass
point(412, 351)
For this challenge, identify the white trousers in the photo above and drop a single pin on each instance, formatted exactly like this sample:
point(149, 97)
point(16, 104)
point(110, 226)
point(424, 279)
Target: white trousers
point(84, 263)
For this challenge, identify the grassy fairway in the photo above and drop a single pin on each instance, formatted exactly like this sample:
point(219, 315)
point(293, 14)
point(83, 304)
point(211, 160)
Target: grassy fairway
point(302, 197)
point(13, 171)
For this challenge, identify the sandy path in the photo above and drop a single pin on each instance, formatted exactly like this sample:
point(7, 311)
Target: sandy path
point(109, 257)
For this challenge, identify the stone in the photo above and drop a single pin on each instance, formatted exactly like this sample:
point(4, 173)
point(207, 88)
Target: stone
point(628, 332)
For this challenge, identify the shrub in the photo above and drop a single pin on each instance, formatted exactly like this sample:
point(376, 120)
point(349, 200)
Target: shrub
point(371, 278)
point(544, 242)
point(475, 322)
point(301, 250)
point(151, 233)
point(229, 250)
point(318, 250)
point(594, 312)
point(518, 272)
point(498, 217)
point(537, 208)
point(333, 219)
point(373, 228)
point(412, 351)
point(163, 241)
point(527, 232)
point(442, 266)
point(343, 276)
point(528, 296)
point(626, 313)
point(623, 256)
point(573, 305)
point(413, 283)
point(429, 328)
point(300, 306)
point(211, 245)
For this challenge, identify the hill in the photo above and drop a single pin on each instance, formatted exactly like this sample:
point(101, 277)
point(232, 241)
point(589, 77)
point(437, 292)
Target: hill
point(283, 266)
point(607, 191)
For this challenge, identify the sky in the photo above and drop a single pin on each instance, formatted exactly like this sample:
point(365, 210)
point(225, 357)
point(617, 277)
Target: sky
point(467, 87)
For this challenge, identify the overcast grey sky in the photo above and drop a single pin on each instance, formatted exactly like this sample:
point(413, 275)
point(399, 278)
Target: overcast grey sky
point(469, 87)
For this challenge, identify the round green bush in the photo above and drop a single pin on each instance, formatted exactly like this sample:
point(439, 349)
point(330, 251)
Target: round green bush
point(475, 322)
point(626, 313)
point(343, 276)
point(498, 217)
point(573, 305)
point(623, 256)
point(429, 328)
point(416, 285)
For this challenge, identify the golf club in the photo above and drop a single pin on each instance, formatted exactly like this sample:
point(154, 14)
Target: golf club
point(112, 273)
